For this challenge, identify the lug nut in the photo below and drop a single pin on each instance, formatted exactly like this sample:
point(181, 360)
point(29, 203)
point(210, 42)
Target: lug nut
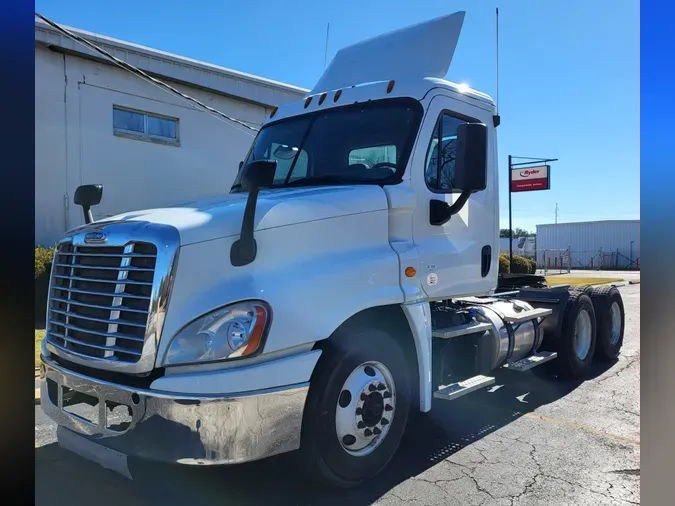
point(359, 411)
point(349, 440)
point(386, 395)
point(381, 387)
point(372, 387)
point(377, 431)
point(364, 397)
point(361, 425)
point(384, 421)
point(388, 407)
point(367, 433)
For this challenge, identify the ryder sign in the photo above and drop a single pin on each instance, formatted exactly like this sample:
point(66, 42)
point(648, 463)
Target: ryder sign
point(531, 178)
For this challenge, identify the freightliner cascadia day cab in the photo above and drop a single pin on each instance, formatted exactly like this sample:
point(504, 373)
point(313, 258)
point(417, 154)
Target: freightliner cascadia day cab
point(348, 278)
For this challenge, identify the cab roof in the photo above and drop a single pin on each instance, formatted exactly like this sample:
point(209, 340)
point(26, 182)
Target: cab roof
point(416, 89)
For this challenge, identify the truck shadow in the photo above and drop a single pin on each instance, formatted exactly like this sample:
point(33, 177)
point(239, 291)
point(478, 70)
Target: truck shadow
point(63, 478)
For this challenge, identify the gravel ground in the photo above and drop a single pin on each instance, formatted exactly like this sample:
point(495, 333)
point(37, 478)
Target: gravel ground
point(530, 439)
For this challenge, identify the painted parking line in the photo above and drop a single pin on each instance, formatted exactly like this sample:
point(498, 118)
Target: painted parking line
point(584, 428)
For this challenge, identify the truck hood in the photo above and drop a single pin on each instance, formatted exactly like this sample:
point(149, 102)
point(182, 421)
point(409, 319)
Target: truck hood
point(213, 218)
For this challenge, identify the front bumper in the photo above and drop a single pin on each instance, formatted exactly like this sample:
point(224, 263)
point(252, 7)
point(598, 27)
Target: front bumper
point(173, 427)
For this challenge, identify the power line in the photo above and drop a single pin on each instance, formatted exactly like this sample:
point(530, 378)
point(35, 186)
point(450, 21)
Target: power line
point(143, 75)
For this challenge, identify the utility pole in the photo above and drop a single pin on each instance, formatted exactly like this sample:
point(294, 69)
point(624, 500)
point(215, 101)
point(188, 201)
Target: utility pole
point(556, 213)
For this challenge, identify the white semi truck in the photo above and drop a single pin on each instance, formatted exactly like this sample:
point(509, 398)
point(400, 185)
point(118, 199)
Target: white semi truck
point(348, 279)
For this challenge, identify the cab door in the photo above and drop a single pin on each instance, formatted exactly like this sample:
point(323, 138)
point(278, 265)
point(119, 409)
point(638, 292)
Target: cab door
point(458, 257)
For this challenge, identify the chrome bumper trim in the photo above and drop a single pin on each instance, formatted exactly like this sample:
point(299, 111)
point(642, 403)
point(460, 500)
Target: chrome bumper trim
point(179, 428)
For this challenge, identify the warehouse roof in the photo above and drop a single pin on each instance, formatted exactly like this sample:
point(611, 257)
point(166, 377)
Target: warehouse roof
point(636, 220)
point(177, 68)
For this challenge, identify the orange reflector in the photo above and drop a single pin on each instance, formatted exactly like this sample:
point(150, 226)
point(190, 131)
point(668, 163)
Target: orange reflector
point(390, 86)
point(308, 101)
point(274, 111)
point(337, 95)
point(410, 272)
point(322, 98)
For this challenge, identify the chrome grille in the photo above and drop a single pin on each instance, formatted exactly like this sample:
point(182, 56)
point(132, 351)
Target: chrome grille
point(99, 300)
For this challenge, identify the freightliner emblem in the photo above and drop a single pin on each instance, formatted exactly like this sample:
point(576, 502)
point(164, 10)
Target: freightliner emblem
point(95, 238)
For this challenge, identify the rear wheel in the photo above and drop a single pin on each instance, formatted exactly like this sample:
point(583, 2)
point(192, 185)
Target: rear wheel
point(610, 316)
point(577, 341)
point(357, 407)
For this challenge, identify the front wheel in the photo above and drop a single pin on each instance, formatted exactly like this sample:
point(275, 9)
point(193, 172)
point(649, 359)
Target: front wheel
point(357, 407)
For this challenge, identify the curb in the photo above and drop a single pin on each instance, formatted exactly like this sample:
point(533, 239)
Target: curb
point(37, 396)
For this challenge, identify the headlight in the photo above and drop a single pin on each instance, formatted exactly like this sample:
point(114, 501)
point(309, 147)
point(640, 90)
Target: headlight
point(234, 331)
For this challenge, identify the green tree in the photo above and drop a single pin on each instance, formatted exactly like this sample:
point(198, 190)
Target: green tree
point(517, 233)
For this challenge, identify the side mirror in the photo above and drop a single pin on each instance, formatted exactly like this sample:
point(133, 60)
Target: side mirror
point(88, 195)
point(258, 174)
point(255, 175)
point(471, 158)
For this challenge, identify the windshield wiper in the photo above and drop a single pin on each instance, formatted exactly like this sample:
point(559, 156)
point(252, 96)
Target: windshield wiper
point(315, 180)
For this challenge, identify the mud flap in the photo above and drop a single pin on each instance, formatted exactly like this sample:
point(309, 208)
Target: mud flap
point(94, 452)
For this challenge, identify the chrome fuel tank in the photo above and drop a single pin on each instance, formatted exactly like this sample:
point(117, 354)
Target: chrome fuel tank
point(507, 341)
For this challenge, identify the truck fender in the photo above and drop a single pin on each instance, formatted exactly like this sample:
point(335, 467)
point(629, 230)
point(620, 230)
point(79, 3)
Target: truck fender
point(410, 326)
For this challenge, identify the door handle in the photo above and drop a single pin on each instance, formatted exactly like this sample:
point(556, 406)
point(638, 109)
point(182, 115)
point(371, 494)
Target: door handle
point(486, 260)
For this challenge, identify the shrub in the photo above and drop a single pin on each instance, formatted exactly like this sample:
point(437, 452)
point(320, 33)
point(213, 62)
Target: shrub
point(43, 260)
point(532, 264)
point(43, 267)
point(504, 264)
point(520, 265)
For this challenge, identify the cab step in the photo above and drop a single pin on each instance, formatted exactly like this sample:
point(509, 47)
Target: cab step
point(527, 363)
point(455, 390)
point(461, 330)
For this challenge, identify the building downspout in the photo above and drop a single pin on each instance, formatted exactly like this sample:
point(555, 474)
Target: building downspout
point(65, 138)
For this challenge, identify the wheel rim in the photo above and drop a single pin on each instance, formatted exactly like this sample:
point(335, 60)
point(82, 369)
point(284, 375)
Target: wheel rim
point(365, 408)
point(615, 318)
point(582, 334)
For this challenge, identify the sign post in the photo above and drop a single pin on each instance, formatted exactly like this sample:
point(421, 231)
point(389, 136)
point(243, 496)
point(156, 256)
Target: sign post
point(532, 175)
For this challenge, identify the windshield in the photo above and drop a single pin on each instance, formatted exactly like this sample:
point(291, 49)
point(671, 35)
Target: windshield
point(360, 143)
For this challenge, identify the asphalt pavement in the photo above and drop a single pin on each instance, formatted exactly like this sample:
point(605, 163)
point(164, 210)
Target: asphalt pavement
point(529, 439)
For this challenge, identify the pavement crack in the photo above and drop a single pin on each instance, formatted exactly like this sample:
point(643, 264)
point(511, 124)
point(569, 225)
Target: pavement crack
point(479, 488)
point(631, 361)
point(578, 485)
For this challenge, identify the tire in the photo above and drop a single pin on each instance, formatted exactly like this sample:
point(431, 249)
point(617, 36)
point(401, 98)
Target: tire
point(587, 289)
point(610, 316)
point(575, 354)
point(323, 454)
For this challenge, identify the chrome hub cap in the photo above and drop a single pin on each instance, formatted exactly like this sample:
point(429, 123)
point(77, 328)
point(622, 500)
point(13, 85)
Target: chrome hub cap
point(582, 334)
point(365, 408)
point(615, 318)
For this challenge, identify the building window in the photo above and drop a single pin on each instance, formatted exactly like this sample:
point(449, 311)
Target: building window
point(440, 169)
point(145, 126)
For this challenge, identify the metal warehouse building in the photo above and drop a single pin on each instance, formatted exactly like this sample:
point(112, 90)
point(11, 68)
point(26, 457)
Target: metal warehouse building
point(611, 244)
point(97, 123)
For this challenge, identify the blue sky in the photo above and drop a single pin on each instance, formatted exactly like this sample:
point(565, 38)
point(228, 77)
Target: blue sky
point(569, 73)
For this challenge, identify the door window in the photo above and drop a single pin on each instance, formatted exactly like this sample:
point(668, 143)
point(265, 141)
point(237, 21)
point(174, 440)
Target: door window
point(440, 165)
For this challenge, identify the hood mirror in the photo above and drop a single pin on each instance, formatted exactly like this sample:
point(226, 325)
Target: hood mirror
point(88, 195)
point(255, 175)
